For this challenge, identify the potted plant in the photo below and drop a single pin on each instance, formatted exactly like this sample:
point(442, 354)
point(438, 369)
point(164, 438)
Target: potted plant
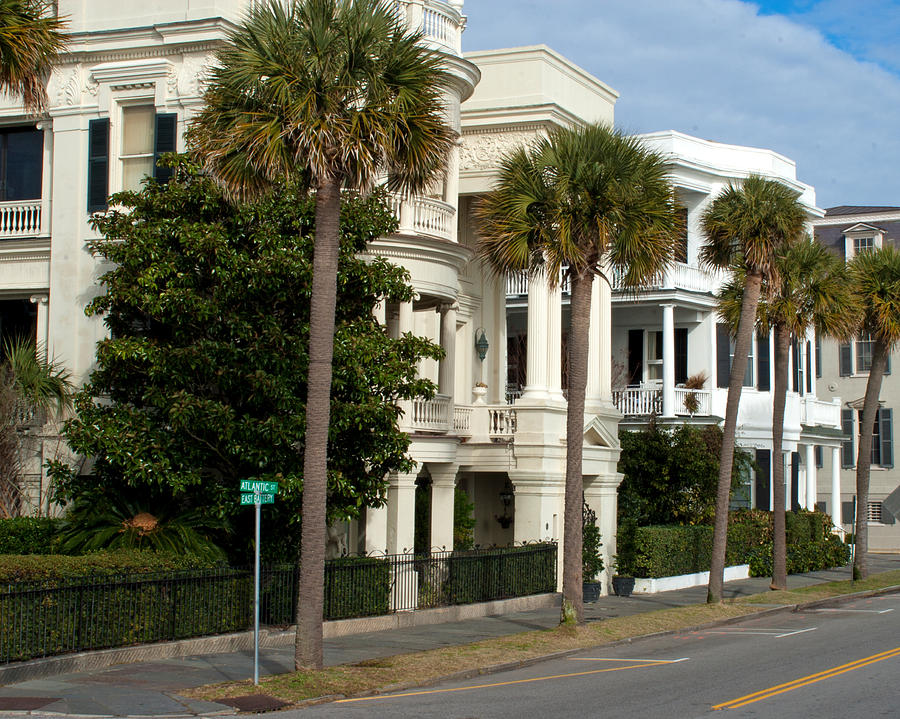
point(591, 558)
point(692, 399)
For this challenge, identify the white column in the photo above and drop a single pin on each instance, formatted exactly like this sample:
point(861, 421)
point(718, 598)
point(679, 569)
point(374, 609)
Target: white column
point(668, 388)
point(451, 188)
point(812, 360)
point(538, 510)
point(536, 380)
point(594, 389)
point(447, 367)
point(787, 481)
point(835, 507)
point(401, 512)
point(811, 486)
point(605, 314)
point(373, 530)
point(404, 324)
point(497, 351)
point(42, 304)
point(554, 342)
point(443, 487)
point(379, 312)
point(405, 320)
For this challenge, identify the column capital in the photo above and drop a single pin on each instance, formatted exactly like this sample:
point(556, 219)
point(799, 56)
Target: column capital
point(39, 299)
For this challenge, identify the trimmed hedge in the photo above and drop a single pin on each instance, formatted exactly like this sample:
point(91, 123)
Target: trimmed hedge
point(667, 551)
point(29, 535)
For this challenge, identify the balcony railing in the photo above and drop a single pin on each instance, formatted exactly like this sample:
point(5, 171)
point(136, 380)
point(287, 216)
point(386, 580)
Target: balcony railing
point(440, 23)
point(517, 283)
point(638, 400)
point(817, 412)
point(431, 415)
point(462, 420)
point(678, 276)
point(693, 401)
point(20, 218)
point(423, 216)
point(502, 424)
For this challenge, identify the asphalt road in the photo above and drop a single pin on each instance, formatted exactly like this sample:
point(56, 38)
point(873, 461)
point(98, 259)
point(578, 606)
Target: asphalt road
point(839, 661)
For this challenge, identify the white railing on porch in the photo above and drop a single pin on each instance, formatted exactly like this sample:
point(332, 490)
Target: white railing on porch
point(817, 412)
point(462, 420)
point(679, 276)
point(423, 216)
point(431, 415)
point(502, 423)
point(703, 403)
point(638, 400)
point(517, 282)
point(21, 218)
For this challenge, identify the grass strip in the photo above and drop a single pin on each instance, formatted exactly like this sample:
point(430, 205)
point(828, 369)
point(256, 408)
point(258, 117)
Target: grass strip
point(422, 668)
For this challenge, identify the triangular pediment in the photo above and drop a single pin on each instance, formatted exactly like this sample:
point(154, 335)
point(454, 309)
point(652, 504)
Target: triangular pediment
point(862, 227)
point(598, 434)
point(858, 404)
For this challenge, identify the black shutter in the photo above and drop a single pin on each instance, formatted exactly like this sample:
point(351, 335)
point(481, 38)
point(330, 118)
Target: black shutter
point(819, 455)
point(795, 481)
point(98, 165)
point(846, 360)
point(723, 354)
point(886, 430)
point(886, 516)
point(762, 362)
point(820, 507)
point(847, 458)
point(635, 356)
point(847, 513)
point(795, 360)
point(809, 377)
point(763, 478)
point(887, 367)
point(681, 354)
point(818, 358)
point(166, 138)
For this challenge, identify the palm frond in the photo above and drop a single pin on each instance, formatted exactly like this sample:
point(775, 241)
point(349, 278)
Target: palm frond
point(875, 277)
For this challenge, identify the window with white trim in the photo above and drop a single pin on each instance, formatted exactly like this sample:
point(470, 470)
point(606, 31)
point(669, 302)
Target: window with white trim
point(136, 155)
point(863, 244)
point(855, 357)
point(882, 437)
point(655, 356)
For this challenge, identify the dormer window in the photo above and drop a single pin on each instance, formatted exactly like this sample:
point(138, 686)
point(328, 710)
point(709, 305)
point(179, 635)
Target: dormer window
point(861, 238)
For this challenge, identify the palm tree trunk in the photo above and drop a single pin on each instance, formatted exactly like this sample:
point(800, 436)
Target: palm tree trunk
point(572, 599)
point(310, 597)
point(742, 344)
point(864, 458)
point(779, 541)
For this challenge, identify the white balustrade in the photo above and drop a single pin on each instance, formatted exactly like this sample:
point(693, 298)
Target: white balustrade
point(439, 23)
point(693, 401)
point(517, 282)
point(638, 400)
point(423, 216)
point(20, 218)
point(817, 412)
point(502, 423)
point(462, 420)
point(679, 276)
point(431, 415)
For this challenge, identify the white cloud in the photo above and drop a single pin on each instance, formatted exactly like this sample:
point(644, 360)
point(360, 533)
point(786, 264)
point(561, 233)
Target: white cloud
point(717, 69)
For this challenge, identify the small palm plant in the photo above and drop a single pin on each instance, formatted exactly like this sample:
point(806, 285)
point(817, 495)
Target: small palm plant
point(694, 383)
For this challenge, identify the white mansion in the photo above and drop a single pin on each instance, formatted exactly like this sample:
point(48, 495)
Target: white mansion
point(126, 91)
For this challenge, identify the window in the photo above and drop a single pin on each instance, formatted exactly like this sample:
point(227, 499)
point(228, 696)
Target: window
point(856, 357)
point(748, 375)
point(819, 456)
point(863, 244)
point(144, 136)
point(21, 163)
point(136, 154)
point(655, 356)
point(725, 357)
point(882, 437)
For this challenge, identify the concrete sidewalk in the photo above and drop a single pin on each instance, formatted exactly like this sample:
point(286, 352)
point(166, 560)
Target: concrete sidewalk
point(151, 688)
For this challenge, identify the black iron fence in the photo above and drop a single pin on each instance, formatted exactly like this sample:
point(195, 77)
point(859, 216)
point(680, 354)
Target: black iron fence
point(59, 616)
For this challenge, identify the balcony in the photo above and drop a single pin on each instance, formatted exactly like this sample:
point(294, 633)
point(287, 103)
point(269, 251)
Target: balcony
point(20, 218)
point(679, 276)
point(424, 216)
point(646, 401)
point(478, 422)
point(815, 412)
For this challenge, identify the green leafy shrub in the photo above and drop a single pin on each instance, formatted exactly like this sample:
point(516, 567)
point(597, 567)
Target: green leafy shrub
point(591, 559)
point(357, 587)
point(485, 575)
point(29, 535)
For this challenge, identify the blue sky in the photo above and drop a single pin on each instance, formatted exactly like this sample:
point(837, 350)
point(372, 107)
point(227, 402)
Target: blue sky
point(816, 80)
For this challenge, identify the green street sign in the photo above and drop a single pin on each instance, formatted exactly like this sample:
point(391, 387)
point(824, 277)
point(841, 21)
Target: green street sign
point(248, 485)
point(250, 498)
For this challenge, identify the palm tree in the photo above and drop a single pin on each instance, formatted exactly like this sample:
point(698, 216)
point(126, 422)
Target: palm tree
point(338, 94)
point(30, 39)
point(580, 198)
point(814, 293)
point(746, 226)
point(875, 277)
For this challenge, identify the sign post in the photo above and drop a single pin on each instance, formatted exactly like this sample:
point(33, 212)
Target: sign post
point(257, 494)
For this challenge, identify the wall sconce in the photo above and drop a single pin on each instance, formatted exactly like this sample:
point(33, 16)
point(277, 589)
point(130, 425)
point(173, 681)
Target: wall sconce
point(506, 497)
point(481, 343)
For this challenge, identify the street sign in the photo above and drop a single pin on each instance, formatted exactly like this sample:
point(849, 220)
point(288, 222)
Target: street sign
point(249, 485)
point(250, 498)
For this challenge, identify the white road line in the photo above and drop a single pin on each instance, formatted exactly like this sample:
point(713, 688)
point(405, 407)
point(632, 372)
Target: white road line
point(612, 659)
point(860, 611)
point(799, 631)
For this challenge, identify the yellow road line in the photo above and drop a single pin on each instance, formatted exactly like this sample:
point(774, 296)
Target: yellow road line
point(807, 680)
point(500, 684)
